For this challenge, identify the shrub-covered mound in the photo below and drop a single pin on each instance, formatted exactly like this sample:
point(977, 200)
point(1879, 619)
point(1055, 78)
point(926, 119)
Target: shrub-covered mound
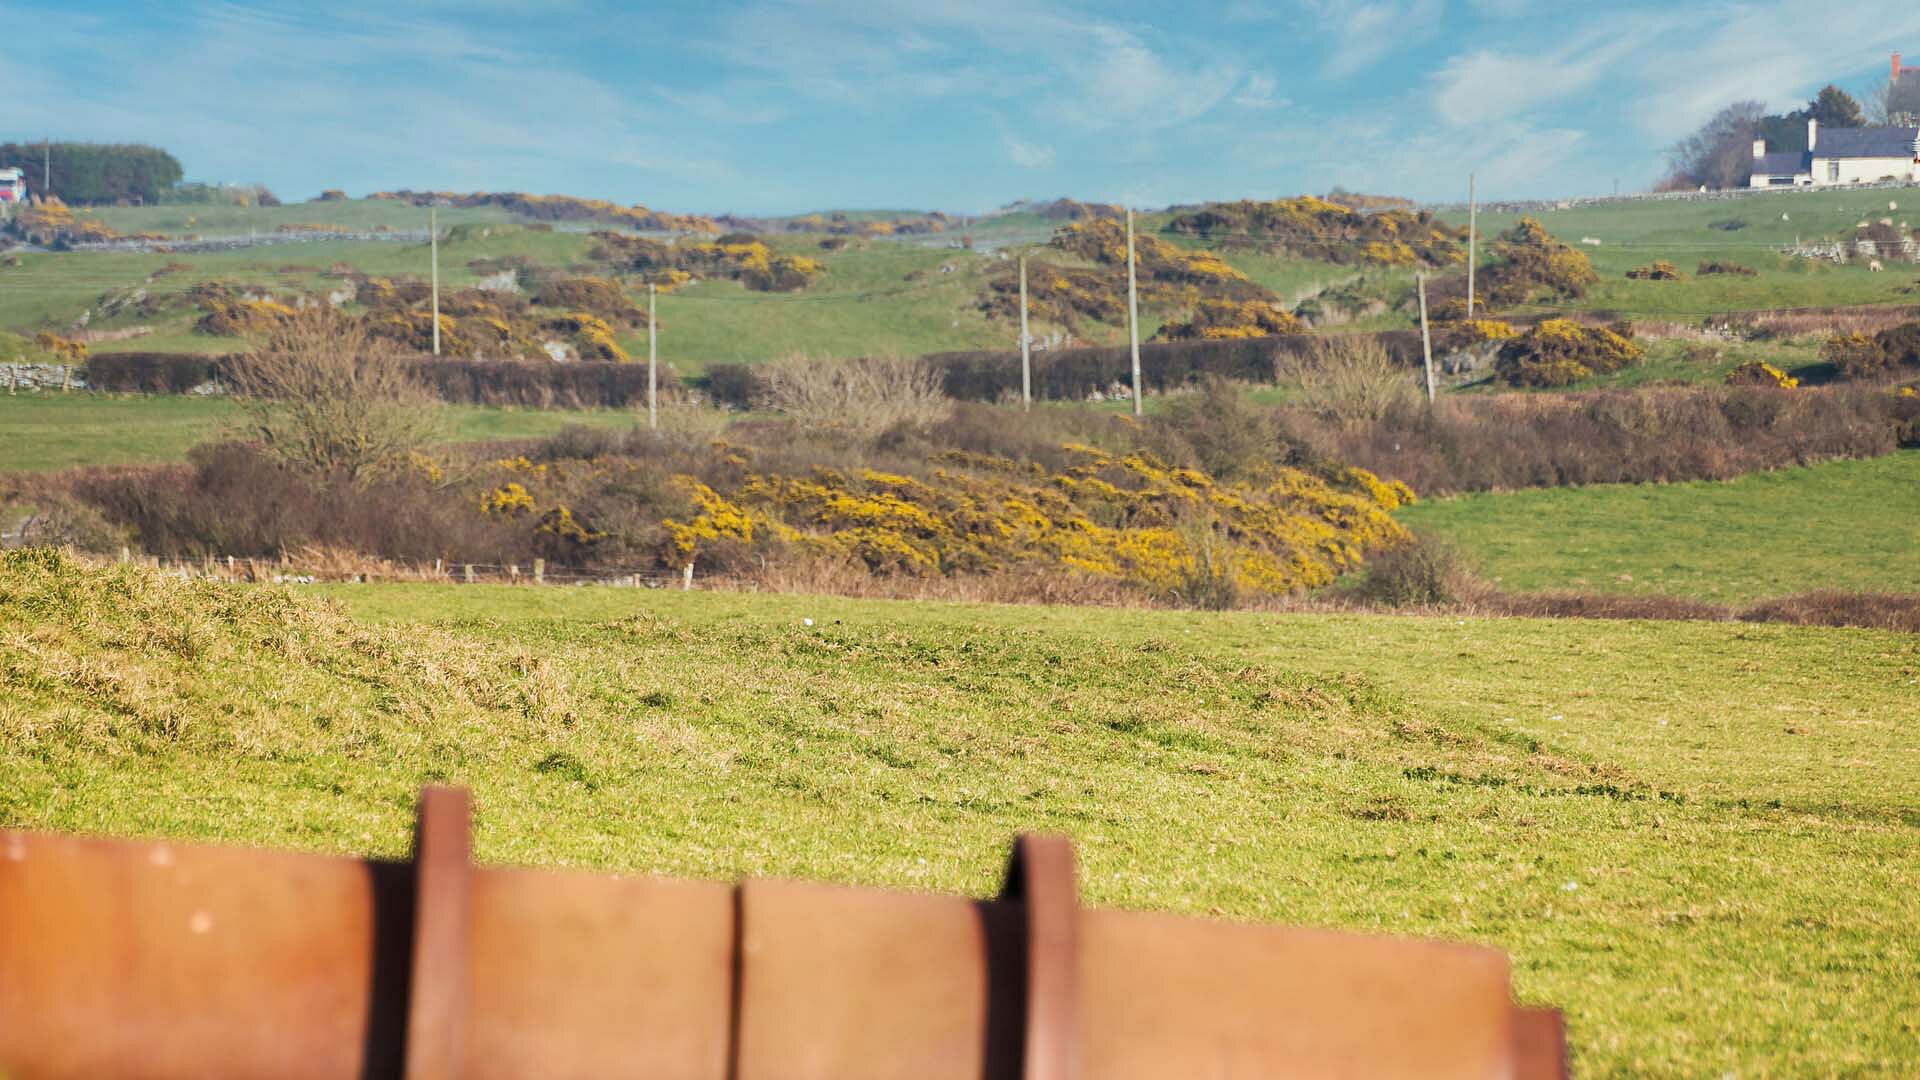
point(733, 257)
point(1857, 355)
point(1529, 262)
point(1314, 228)
point(572, 318)
point(560, 208)
point(1167, 275)
point(1560, 352)
point(1760, 373)
point(1214, 319)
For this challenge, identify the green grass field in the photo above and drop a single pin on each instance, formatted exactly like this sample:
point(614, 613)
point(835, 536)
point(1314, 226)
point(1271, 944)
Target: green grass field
point(1636, 233)
point(1840, 525)
point(51, 430)
point(1697, 838)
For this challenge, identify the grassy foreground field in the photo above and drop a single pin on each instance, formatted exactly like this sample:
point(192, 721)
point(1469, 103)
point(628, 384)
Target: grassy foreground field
point(1840, 525)
point(55, 431)
point(1697, 837)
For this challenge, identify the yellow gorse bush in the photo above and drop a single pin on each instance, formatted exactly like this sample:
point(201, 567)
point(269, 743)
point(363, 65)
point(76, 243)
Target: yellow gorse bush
point(1129, 517)
point(1760, 373)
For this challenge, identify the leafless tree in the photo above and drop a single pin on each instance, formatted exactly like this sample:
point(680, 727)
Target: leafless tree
point(868, 394)
point(1896, 104)
point(1720, 154)
point(325, 397)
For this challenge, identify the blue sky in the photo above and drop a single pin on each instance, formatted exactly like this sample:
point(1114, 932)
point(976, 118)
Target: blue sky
point(771, 106)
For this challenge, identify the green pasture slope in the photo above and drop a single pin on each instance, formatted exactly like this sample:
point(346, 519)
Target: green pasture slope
point(1852, 525)
point(45, 431)
point(920, 294)
point(1697, 838)
point(1743, 230)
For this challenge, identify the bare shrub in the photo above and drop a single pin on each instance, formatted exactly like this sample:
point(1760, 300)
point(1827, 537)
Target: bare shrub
point(1430, 572)
point(1351, 379)
point(324, 397)
point(868, 394)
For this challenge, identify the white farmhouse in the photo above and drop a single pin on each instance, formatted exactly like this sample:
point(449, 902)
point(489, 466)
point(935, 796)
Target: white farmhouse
point(1840, 156)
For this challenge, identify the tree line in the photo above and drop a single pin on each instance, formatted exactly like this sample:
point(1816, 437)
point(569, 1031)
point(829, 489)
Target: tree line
point(1720, 153)
point(87, 174)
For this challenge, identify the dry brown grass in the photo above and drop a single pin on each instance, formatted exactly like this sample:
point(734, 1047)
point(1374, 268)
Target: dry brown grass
point(1822, 322)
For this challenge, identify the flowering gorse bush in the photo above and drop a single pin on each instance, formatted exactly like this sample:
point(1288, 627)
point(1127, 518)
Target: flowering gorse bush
point(1760, 373)
point(1129, 517)
point(1316, 228)
point(1559, 352)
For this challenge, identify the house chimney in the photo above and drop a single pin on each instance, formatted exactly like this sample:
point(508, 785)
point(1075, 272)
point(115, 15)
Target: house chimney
point(1895, 75)
point(1813, 133)
point(1759, 149)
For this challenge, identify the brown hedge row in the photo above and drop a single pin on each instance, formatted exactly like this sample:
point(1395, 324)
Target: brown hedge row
point(1077, 374)
point(583, 385)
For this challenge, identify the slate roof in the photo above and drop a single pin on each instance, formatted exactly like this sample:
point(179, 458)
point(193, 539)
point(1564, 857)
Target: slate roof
point(1887, 142)
point(1782, 163)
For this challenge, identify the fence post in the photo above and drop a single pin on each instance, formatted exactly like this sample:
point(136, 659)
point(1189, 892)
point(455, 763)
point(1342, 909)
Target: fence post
point(539, 571)
point(686, 581)
point(1426, 337)
point(436, 568)
point(513, 571)
point(468, 572)
point(126, 555)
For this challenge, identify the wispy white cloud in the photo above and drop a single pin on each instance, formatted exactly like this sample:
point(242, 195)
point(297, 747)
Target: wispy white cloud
point(1361, 33)
point(1028, 155)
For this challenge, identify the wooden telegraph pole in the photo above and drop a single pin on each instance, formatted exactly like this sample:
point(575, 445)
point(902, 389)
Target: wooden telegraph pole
point(1426, 336)
point(1473, 235)
point(433, 243)
point(1133, 315)
point(653, 379)
point(1026, 344)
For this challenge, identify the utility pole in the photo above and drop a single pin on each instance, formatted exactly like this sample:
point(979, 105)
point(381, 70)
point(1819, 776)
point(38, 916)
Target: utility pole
point(653, 382)
point(433, 240)
point(1426, 335)
point(46, 166)
point(1133, 315)
point(1473, 236)
point(1026, 344)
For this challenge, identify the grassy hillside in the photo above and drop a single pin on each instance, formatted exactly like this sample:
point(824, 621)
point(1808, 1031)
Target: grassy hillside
point(53, 431)
point(921, 294)
point(1634, 233)
point(1840, 525)
point(1694, 837)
